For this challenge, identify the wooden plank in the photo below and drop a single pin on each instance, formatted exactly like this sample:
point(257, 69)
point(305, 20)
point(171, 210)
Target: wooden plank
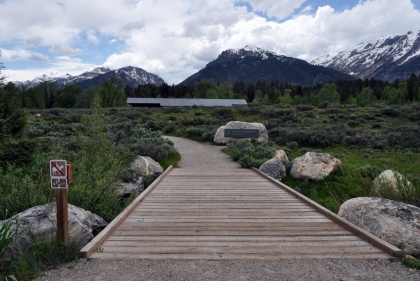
point(231, 233)
point(385, 246)
point(195, 219)
point(237, 256)
point(228, 239)
point(224, 213)
point(87, 250)
point(242, 249)
point(170, 225)
point(236, 244)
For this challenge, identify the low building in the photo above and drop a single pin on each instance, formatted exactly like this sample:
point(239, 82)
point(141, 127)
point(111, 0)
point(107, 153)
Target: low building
point(157, 102)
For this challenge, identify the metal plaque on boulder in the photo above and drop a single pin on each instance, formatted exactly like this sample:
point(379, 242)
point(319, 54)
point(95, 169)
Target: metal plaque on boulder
point(242, 133)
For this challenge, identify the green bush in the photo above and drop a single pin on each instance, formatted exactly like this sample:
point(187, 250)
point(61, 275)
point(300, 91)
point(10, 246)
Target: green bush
point(98, 165)
point(251, 153)
point(40, 256)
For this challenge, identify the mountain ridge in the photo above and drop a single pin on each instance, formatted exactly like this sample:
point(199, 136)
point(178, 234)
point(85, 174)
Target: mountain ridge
point(253, 64)
point(129, 75)
point(386, 58)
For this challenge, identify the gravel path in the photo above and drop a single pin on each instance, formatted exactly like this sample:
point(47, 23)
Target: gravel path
point(204, 155)
point(201, 155)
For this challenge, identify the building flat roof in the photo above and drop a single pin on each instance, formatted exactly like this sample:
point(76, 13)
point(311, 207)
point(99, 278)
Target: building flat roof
point(183, 102)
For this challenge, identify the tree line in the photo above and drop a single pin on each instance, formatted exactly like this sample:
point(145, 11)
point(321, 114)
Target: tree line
point(113, 93)
point(357, 91)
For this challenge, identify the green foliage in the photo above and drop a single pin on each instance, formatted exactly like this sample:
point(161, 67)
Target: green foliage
point(112, 94)
point(410, 262)
point(40, 256)
point(169, 160)
point(403, 191)
point(14, 147)
point(251, 153)
point(22, 188)
point(7, 235)
point(98, 165)
point(69, 96)
point(328, 93)
point(140, 141)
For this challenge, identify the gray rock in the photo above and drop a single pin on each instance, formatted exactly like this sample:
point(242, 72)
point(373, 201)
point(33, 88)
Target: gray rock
point(390, 181)
point(274, 168)
point(281, 155)
point(219, 137)
point(126, 189)
point(392, 221)
point(144, 165)
point(314, 166)
point(132, 182)
point(41, 222)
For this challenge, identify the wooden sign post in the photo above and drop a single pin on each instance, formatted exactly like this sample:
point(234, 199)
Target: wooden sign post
point(61, 176)
point(62, 216)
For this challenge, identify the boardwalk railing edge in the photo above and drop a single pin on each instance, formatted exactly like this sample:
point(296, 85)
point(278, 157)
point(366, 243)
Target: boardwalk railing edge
point(91, 247)
point(372, 239)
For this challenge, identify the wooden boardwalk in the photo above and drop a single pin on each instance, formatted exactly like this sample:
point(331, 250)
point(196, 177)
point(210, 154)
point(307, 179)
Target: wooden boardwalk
point(229, 214)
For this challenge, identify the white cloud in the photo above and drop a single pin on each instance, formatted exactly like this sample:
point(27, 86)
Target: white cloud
point(38, 57)
point(35, 41)
point(91, 36)
point(63, 49)
point(61, 66)
point(22, 55)
point(276, 8)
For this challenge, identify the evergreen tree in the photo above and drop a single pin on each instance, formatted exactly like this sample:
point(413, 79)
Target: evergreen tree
point(15, 149)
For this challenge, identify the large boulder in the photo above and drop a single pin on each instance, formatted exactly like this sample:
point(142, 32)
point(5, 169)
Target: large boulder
point(390, 181)
point(274, 168)
point(40, 222)
point(281, 155)
point(395, 222)
point(144, 166)
point(219, 137)
point(132, 182)
point(314, 166)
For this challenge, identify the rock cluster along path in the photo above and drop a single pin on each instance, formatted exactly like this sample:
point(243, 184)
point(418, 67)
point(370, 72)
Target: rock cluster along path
point(223, 212)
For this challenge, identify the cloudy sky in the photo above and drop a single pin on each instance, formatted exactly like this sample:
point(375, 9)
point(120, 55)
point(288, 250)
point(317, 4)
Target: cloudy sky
point(176, 38)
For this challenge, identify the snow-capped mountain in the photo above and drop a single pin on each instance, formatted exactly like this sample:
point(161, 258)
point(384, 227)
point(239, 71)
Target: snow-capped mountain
point(252, 64)
point(129, 75)
point(387, 58)
point(64, 79)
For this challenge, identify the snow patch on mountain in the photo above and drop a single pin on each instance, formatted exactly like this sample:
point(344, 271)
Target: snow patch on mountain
point(130, 75)
point(368, 58)
point(251, 51)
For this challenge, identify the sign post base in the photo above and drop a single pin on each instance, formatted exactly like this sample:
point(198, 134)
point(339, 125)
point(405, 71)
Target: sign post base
point(62, 216)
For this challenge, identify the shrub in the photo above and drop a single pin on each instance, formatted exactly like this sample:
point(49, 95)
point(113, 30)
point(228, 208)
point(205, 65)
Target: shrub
point(324, 104)
point(391, 112)
point(252, 152)
point(304, 107)
point(98, 164)
point(353, 123)
point(315, 136)
point(223, 112)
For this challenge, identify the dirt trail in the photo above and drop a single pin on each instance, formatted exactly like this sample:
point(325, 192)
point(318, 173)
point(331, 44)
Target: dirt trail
point(201, 155)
